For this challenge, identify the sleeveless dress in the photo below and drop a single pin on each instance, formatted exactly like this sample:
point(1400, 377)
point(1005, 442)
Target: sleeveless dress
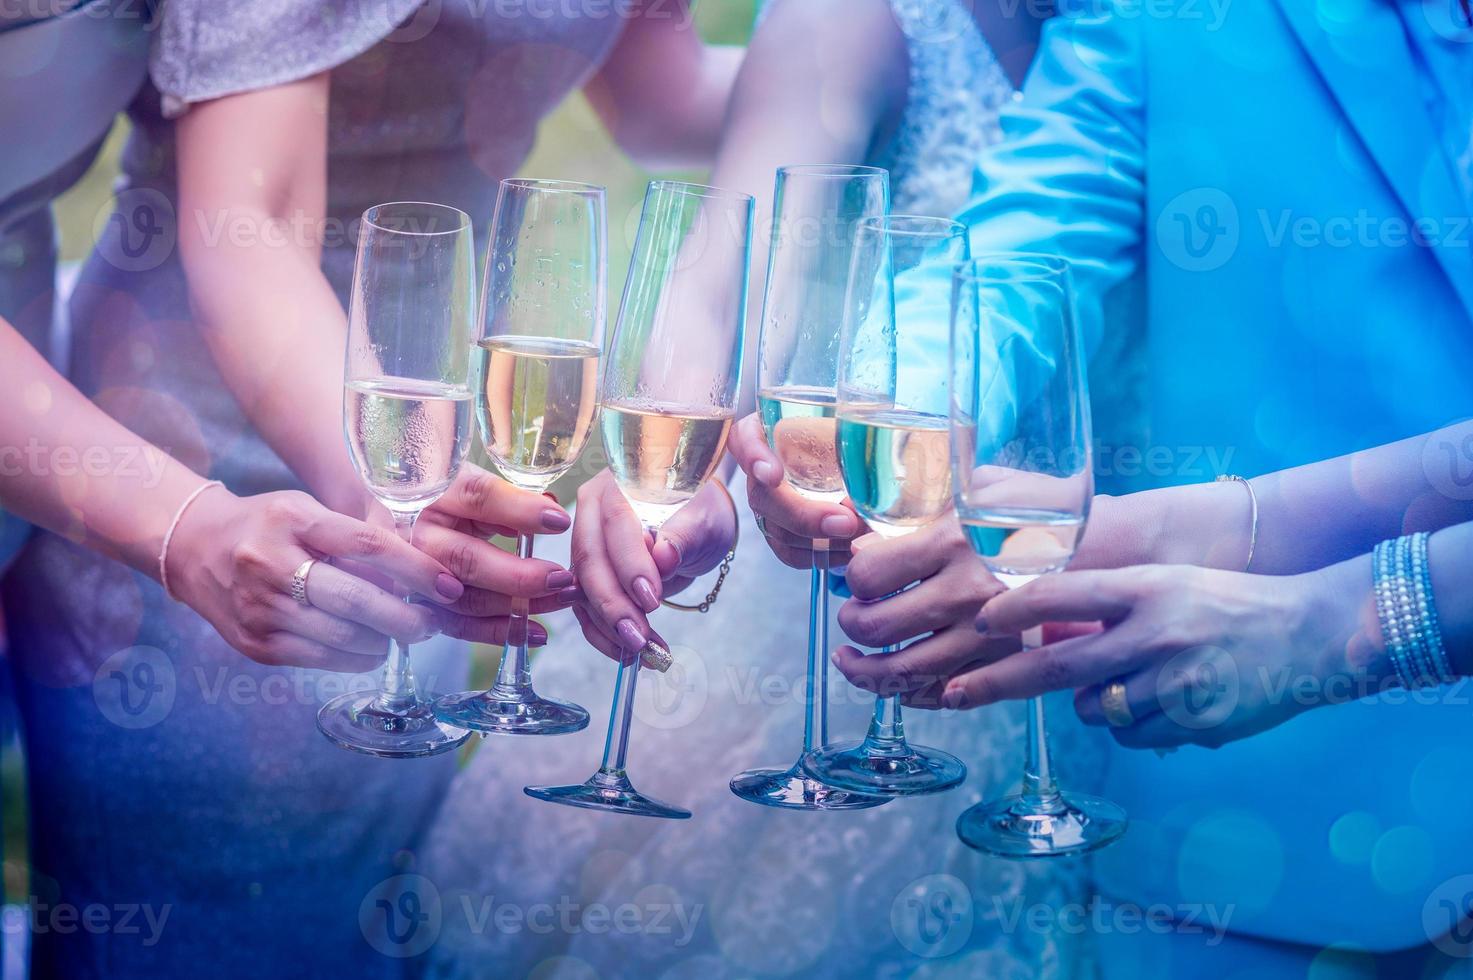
point(527, 888)
point(168, 774)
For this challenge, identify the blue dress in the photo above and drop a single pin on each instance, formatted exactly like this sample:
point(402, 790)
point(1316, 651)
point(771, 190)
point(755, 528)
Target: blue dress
point(169, 774)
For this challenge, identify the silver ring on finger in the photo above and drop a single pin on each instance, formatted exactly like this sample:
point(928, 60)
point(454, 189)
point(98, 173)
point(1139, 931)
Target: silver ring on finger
point(761, 523)
point(299, 582)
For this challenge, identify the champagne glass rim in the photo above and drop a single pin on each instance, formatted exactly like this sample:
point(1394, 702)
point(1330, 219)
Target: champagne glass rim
point(837, 171)
point(554, 186)
point(463, 220)
point(699, 190)
point(913, 226)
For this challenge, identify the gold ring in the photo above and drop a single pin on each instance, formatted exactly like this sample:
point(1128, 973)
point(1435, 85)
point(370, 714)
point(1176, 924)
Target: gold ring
point(299, 581)
point(1116, 708)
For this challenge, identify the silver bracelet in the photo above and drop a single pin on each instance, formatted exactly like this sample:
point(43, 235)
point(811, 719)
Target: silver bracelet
point(169, 535)
point(1252, 514)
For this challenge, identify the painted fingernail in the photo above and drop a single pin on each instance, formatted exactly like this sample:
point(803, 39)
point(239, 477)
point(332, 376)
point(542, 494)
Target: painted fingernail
point(629, 633)
point(656, 657)
point(837, 525)
point(569, 595)
point(449, 586)
point(556, 521)
point(560, 579)
point(536, 634)
point(646, 594)
point(764, 471)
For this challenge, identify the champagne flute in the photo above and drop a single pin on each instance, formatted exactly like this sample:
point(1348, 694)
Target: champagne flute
point(893, 454)
point(542, 322)
point(406, 414)
point(815, 213)
point(670, 390)
point(1022, 469)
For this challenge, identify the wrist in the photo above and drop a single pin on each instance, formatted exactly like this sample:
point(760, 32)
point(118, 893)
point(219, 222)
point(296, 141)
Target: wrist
point(202, 526)
point(1342, 632)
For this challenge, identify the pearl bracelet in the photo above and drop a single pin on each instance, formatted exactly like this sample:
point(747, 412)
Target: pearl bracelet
point(1407, 612)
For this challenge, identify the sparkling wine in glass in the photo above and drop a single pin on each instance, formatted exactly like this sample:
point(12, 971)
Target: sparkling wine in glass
point(407, 407)
point(816, 210)
point(892, 441)
point(1023, 477)
point(670, 388)
point(542, 331)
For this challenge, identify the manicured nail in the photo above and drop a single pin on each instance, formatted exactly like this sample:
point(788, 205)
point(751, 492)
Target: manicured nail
point(449, 587)
point(560, 579)
point(536, 634)
point(629, 633)
point(954, 698)
point(646, 594)
point(569, 595)
point(656, 657)
point(765, 472)
point(838, 526)
point(556, 521)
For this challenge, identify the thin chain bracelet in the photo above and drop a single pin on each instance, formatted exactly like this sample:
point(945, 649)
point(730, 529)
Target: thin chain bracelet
point(704, 606)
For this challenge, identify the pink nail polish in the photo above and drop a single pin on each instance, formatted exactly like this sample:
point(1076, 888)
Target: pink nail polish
point(449, 587)
point(559, 579)
point(629, 634)
point(646, 594)
point(556, 521)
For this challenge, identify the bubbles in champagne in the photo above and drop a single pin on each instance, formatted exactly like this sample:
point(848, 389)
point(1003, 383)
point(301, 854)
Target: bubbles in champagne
point(407, 437)
point(660, 454)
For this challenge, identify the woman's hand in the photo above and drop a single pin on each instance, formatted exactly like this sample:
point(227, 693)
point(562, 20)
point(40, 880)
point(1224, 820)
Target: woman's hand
point(1206, 656)
point(622, 575)
point(232, 560)
point(454, 532)
point(937, 612)
point(790, 522)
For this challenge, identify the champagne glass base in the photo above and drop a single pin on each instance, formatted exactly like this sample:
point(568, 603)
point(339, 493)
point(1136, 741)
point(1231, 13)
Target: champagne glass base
point(607, 790)
point(886, 770)
point(356, 721)
point(792, 789)
point(492, 714)
point(1015, 827)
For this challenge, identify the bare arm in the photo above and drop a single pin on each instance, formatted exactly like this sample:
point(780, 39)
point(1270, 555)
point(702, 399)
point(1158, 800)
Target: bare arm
point(1309, 516)
point(662, 93)
point(252, 195)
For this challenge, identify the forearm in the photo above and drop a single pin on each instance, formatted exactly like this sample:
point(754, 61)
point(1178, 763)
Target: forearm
point(282, 360)
point(67, 466)
point(1308, 517)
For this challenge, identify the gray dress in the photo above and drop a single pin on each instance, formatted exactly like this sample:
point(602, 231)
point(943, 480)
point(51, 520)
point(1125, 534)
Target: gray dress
point(174, 783)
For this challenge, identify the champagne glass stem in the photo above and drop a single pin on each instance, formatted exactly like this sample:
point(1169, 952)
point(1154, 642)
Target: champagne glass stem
point(886, 727)
point(814, 720)
point(825, 579)
point(396, 693)
point(514, 677)
point(1040, 793)
point(621, 716)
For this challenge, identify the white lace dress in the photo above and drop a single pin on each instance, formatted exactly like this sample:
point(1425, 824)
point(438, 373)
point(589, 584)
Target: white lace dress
point(524, 887)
